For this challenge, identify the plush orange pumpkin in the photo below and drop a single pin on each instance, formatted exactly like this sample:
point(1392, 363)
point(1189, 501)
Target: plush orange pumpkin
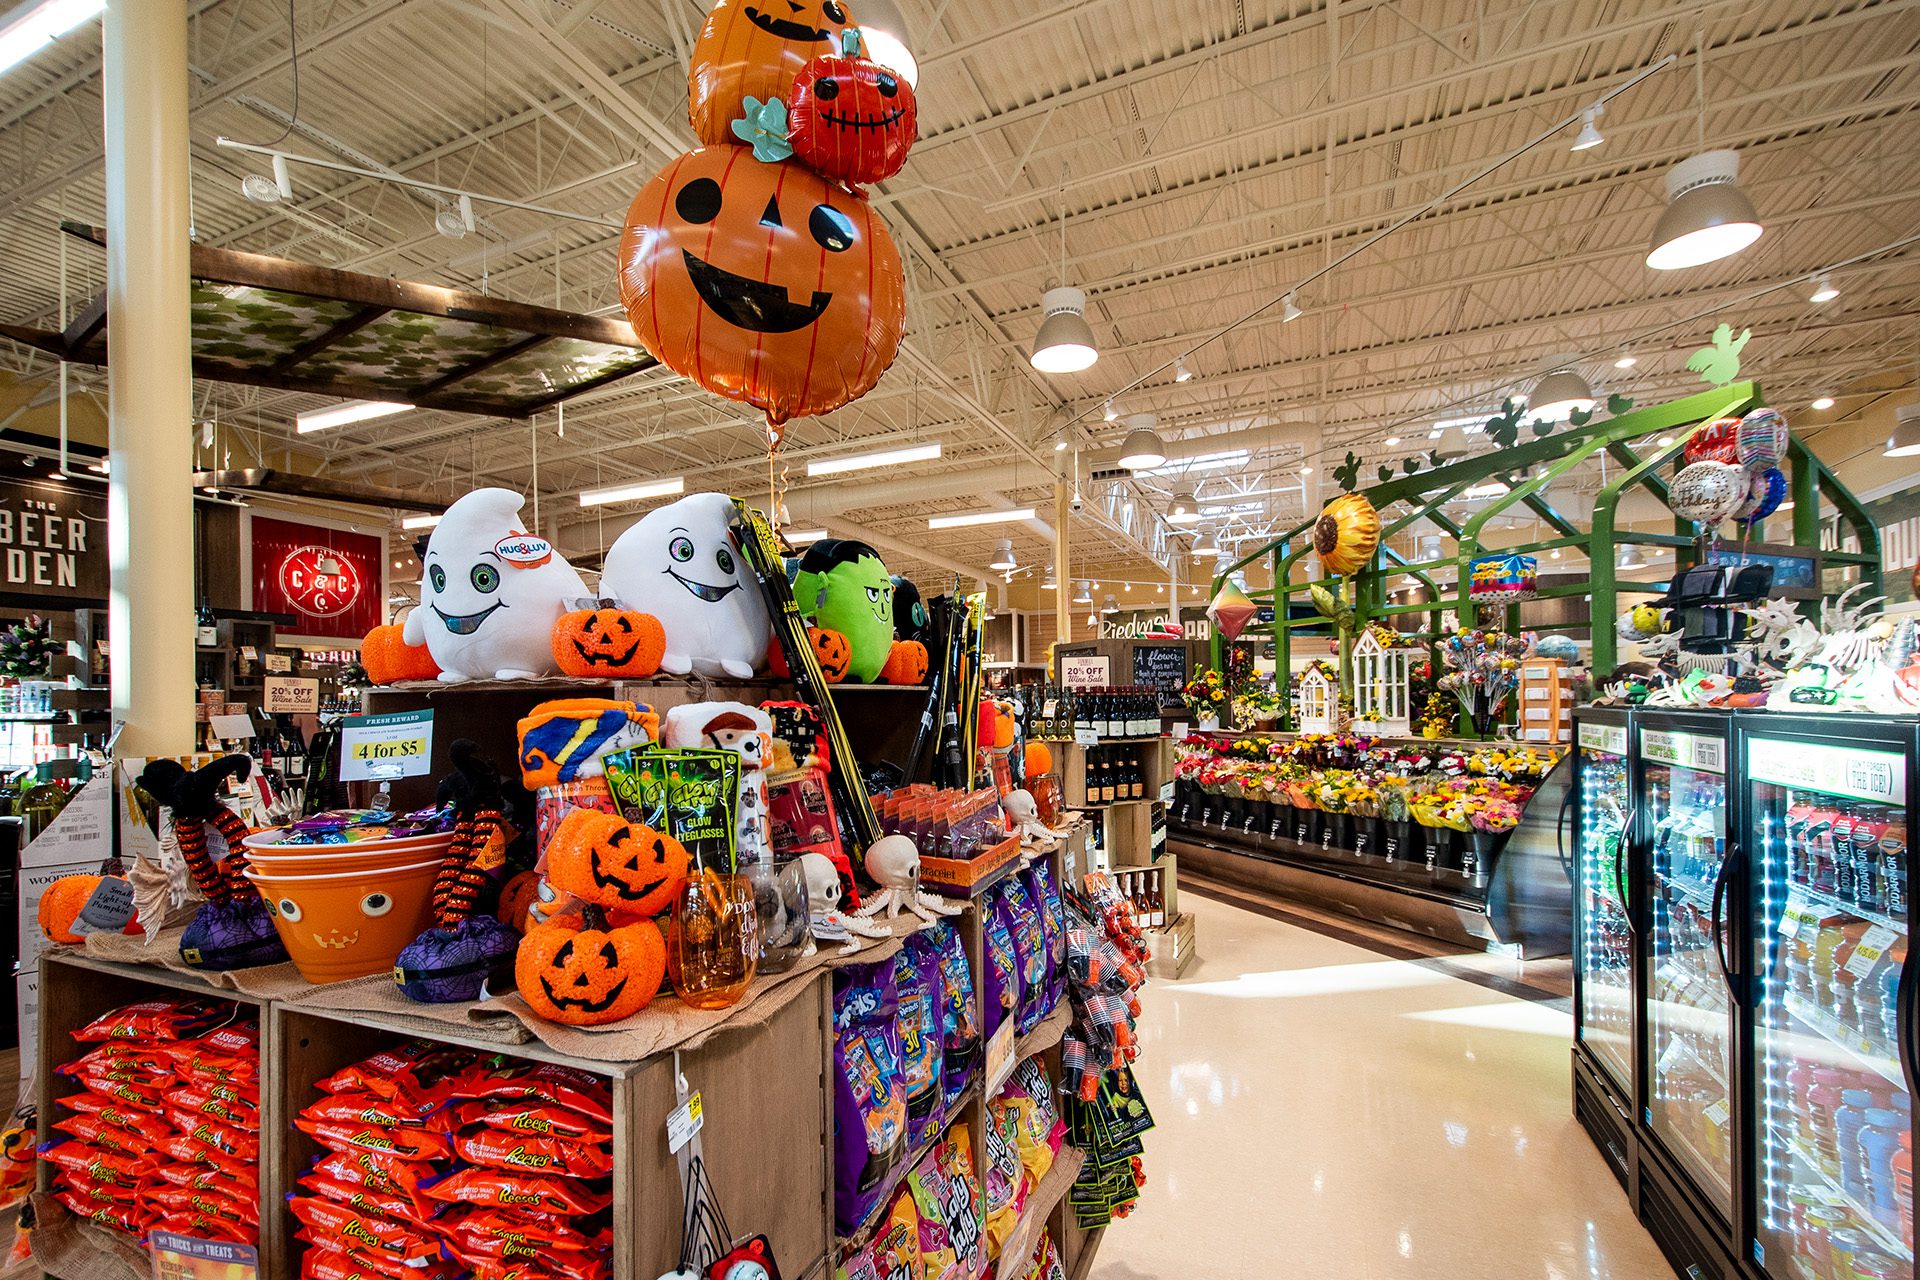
point(906, 663)
point(389, 658)
point(755, 47)
point(832, 652)
point(608, 641)
point(517, 897)
point(603, 859)
point(764, 283)
point(1038, 759)
point(60, 906)
point(569, 971)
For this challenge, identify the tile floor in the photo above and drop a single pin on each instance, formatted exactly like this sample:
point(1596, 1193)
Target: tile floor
point(1329, 1113)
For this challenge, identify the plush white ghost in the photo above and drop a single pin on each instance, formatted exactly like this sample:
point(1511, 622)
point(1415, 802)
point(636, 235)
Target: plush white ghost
point(490, 592)
point(680, 565)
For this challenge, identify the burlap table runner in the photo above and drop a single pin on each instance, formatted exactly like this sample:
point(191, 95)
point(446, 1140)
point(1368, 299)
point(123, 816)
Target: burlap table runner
point(64, 1245)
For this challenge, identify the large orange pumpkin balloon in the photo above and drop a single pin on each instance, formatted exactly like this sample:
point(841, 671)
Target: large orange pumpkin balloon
point(763, 283)
point(755, 47)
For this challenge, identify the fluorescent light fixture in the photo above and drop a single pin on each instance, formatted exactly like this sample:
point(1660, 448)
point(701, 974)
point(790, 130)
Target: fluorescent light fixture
point(805, 537)
point(346, 413)
point(33, 27)
point(878, 458)
point(1143, 448)
point(1707, 217)
point(419, 522)
point(1823, 401)
point(1590, 135)
point(1003, 557)
point(634, 492)
point(1065, 341)
point(1290, 309)
point(1059, 446)
point(967, 518)
point(1180, 371)
point(1823, 290)
point(1626, 360)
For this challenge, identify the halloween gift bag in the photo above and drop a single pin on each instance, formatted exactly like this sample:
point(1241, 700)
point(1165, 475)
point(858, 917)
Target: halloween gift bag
point(870, 1095)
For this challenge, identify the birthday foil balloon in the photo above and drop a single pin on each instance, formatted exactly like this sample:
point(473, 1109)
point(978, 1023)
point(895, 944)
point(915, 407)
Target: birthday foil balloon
point(764, 283)
point(1707, 492)
point(1761, 439)
point(755, 48)
point(1716, 441)
point(1765, 493)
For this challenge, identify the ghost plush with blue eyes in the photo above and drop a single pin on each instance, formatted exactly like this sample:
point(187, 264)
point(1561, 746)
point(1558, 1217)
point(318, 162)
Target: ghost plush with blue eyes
point(490, 592)
point(680, 564)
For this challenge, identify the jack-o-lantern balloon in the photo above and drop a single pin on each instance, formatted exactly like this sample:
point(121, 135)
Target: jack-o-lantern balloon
point(763, 283)
point(852, 119)
point(603, 859)
point(755, 48)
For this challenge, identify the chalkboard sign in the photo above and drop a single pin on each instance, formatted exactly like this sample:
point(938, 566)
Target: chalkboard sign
point(1162, 667)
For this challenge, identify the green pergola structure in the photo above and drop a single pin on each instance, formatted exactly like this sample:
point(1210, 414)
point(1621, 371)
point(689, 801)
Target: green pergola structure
point(1406, 499)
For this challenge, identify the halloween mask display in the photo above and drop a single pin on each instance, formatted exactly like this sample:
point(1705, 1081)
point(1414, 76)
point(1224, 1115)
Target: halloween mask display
point(763, 283)
point(679, 564)
point(490, 593)
point(755, 48)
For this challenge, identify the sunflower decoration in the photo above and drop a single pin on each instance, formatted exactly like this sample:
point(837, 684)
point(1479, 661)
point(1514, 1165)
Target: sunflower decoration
point(1347, 534)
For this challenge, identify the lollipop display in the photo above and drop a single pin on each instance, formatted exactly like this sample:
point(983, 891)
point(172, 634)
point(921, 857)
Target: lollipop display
point(1483, 669)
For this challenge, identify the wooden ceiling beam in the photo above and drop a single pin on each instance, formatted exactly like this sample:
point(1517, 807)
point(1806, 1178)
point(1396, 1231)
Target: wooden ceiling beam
point(341, 328)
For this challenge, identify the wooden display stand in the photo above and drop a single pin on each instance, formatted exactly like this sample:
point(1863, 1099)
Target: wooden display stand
point(1546, 701)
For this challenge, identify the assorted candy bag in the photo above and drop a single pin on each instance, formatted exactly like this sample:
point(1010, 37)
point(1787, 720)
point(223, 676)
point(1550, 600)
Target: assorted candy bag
point(959, 1010)
point(146, 1142)
point(1029, 953)
point(357, 826)
point(870, 1095)
point(1003, 1178)
point(916, 976)
point(1002, 964)
point(1053, 926)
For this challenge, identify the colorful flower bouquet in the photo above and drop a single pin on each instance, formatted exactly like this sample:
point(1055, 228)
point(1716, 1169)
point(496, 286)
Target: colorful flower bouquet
point(1205, 695)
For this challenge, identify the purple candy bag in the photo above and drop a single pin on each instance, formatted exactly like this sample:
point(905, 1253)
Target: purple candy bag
point(1029, 953)
point(916, 976)
point(1003, 965)
point(870, 1093)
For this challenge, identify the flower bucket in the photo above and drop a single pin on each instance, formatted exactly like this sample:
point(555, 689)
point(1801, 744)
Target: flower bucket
point(1364, 836)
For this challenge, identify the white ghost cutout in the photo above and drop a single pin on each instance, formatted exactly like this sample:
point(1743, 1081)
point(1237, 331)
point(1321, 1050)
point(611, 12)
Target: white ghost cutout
point(680, 565)
point(490, 592)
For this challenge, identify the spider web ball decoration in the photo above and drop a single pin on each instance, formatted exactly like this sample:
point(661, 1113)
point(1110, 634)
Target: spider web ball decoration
point(1708, 492)
point(27, 649)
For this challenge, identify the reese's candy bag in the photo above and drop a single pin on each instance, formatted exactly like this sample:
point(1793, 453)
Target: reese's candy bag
point(96, 1164)
point(156, 1020)
point(236, 1144)
point(498, 1150)
point(377, 1171)
point(120, 1217)
point(364, 1108)
point(367, 1230)
point(405, 1144)
point(546, 1119)
point(419, 1074)
point(550, 1082)
point(392, 1204)
point(148, 1125)
point(497, 1188)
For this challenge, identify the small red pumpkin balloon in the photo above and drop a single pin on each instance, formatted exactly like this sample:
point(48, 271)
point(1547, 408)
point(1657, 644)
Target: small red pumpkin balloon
point(852, 119)
point(764, 283)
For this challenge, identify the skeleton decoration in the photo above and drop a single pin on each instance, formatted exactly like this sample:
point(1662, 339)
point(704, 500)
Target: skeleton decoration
point(893, 862)
point(1023, 820)
point(830, 924)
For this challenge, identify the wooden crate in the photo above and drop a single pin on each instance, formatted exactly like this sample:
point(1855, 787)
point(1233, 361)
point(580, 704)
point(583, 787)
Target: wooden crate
point(74, 990)
point(1147, 886)
point(1134, 831)
point(1173, 948)
point(1156, 766)
point(767, 1125)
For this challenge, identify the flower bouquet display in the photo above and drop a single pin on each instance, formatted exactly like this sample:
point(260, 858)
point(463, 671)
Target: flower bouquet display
point(1205, 697)
point(1483, 668)
point(1399, 836)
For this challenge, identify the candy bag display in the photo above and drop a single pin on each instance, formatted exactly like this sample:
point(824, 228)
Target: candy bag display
point(1053, 926)
point(1029, 953)
point(916, 976)
point(870, 1095)
point(952, 1209)
point(1002, 966)
point(1002, 1175)
point(960, 1038)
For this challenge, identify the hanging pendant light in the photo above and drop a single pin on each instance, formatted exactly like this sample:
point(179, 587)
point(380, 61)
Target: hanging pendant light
point(1823, 290)
point(1185, 508)
point(1065, 341)
point(884, 33)
point(1560, 392)
point(1205, 546)
point(1905, 440)
point(1003, 555)
point(1290, 310)
point(1109, 608)
point(1707, 218)
point(1143, 448)
point(1452, 445)
point(1180, 371)
point(1049, 582)
point(1590, 135)
point(1081, 595)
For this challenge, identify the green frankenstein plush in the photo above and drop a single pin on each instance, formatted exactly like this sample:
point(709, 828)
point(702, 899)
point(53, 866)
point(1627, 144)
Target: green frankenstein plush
point(842, 586)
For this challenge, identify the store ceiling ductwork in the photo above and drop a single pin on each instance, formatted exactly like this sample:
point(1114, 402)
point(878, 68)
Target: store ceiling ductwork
point(291, 484)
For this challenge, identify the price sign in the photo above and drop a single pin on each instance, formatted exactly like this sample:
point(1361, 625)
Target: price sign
point(1871, 950)
point(377, 748)
point(1086, 737)
point(1790, 921)
point(1716, 1115)
point(683, 1122)
point(1086, 671)
point(999, 1057)
point(287, 695)
point(277, 663)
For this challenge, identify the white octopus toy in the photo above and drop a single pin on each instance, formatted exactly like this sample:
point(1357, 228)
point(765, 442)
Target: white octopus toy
point(1023, 820)
point(893, 862)
point(830, 924)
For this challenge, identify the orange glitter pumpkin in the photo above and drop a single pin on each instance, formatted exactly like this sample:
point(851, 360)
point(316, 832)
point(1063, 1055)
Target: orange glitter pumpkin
point(60, 906)
point(755, 48)
point(906, 663)
point(831, 650)
point(604, 859)
point(608, 642)
point(764, 283)
point(581, 976)
point(517, 897)
point(388, 658)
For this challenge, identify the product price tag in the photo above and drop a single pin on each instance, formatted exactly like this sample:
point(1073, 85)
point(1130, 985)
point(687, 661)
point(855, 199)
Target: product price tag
point(396, 745)
point(1669, 1058)
point(999, 1057)
point(278, 663)
point(178, 1257)
point(1871, 950)
point(1086, 737)
point(1790, 921)
point(683, 1122)
point(1166, 793)
point(1716, 1115)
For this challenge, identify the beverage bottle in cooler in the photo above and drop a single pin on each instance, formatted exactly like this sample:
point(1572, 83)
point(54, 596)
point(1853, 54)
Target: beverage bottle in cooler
point(1893, 868)
point(1887, 992)
point(1847, 1123)
point(1903, 1186)
point(1816, 1121)
point(1879, 1139)
point(1845, 886)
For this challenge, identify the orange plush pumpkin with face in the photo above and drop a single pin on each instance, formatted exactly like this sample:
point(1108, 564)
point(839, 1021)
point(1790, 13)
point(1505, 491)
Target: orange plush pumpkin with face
point(583, 973)
point(603, 859)
point(607, 642)
point(388, 658)
point(832, 652)
point(906, 663)
point(764, 283)
point(755, 48)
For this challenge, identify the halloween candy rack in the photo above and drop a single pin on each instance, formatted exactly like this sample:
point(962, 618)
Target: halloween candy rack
point(457, 1027)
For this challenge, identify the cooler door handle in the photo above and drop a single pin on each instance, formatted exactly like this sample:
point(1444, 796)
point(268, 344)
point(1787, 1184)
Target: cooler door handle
point(1623, 851)
point(1727, 968)
point(1903, 1023)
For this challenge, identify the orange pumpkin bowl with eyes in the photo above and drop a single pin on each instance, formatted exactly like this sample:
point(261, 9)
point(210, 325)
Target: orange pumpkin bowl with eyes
point(755, 47)
point(604, 859)
point(389, 659)
point(764, 283)
point(581, 976)
point(608, 642)
point(349, 923)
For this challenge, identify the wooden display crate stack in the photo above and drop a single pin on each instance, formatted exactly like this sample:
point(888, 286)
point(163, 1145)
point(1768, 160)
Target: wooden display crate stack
point(1546, 701)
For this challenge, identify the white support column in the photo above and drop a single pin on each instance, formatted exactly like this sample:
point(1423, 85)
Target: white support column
point(150, 377)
